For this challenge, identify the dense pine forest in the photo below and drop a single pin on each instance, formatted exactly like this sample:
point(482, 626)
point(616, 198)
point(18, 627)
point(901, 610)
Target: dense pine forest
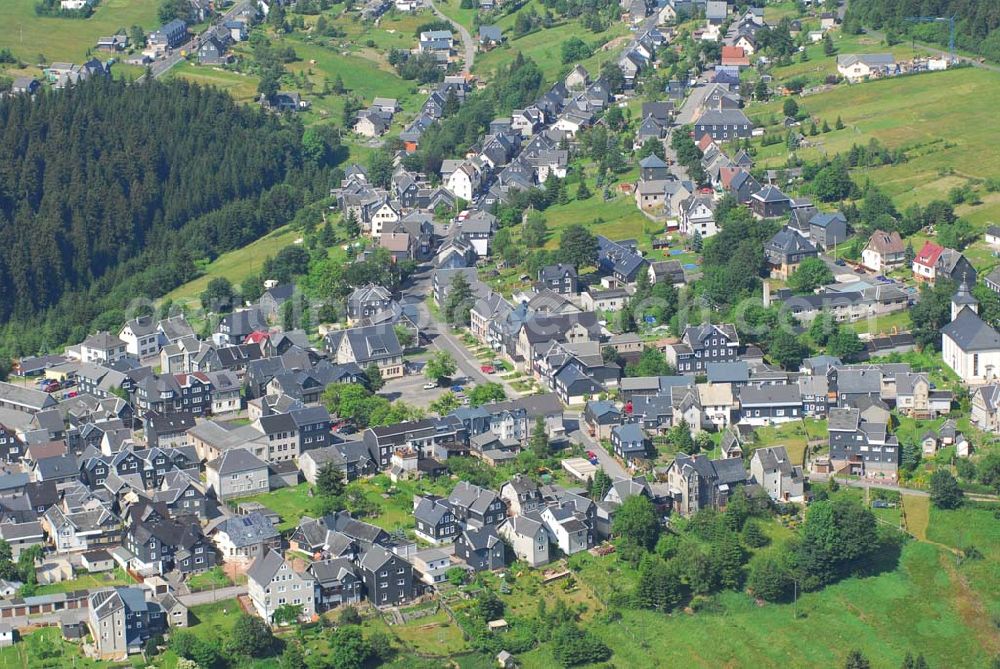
point(111, 191)
point(977, 22)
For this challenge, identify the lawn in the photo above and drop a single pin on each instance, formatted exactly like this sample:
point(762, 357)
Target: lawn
point(435, 634)
point(898, 321)
point(289, 503)
point(974, 525)
point(917, 510)
point(242, 87)
point(213, 578)
point(86, 582)
point(236, 265)
point(620, 219)
point(794, 436)
point(59, 39)
point(453, 10)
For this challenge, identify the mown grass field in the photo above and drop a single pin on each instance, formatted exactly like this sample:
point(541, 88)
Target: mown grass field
point(236, 265)
point(27, 34)
point(242, 87)
point(945, 120)
point(544, 46)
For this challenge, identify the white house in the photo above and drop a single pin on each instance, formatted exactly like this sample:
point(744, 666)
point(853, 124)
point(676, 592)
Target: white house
point(464, 181)
point(272, 584)
point(141, 336)
point(772, 470)
point(102, 348)
point(697, 215)
point(857, 67)
point(385, 215)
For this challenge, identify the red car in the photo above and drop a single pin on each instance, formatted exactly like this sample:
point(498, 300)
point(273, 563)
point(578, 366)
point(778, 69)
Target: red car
point(50, 386)
point(487, 369)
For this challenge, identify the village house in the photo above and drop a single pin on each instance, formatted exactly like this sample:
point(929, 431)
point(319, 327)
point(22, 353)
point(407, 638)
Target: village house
point(772, 470)
point(858, 67)
point(272, 584)
point(884, 252)
point(785, 251)
point(527, 537)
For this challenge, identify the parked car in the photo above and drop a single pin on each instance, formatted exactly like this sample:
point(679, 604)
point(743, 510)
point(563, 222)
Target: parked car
point(457, 389)
point(50, 386)
point(430, 386)
point(488, 369)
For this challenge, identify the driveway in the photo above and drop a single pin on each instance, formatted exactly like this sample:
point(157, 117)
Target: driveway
point(468, 44)
point(216, 595)
point(611, 467)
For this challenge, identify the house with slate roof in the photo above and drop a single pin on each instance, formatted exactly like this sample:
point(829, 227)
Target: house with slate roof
point(527, 537)
point(772, 470)
point(785, 250)
point(121, 621)
point(273, 583)
point(337, 582)
point(365, 346)
point(827, 230)
point(970, 345)
point(986, 408)
point(237, 473)
point(481, 548)
point(695, 482)
point(629, 442)
point(242, 539)
point(770, 202)
point(703, 344)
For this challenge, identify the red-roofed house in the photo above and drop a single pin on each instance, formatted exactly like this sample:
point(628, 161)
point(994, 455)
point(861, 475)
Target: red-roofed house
point(925, 261)
point(256, 337)
point(734, 56)
point(705, 142)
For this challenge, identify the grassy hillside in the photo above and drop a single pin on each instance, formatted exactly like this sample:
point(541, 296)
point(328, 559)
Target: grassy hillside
point(236, 265)
point(28, 35)
point(945, 121)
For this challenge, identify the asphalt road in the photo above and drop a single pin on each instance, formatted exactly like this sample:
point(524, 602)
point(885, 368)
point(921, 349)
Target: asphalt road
point(467, 43)
point(611, 467)
point(441, 338)
point(161, 67)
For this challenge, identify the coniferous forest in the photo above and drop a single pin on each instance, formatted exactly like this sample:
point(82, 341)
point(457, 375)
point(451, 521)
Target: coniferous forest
point(977, 22)
point(111, 191)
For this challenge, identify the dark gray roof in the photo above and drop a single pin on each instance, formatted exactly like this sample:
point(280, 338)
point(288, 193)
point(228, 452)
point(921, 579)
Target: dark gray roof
point(844, 420)
point(247, 530)
point(972, 333)
point(265, 567)
point(236, 460)
point(728, 372)
point(769, 395)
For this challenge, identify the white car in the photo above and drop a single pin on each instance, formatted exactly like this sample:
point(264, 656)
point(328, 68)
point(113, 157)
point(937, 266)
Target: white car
point(430, 386)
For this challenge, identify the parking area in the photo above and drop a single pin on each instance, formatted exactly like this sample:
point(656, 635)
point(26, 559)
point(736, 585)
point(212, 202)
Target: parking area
point(411, 389)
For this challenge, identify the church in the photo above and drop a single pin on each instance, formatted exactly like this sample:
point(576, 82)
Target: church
point(969, 345)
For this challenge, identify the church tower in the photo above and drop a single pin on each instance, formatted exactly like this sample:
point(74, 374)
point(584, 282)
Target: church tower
point(962, 299)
